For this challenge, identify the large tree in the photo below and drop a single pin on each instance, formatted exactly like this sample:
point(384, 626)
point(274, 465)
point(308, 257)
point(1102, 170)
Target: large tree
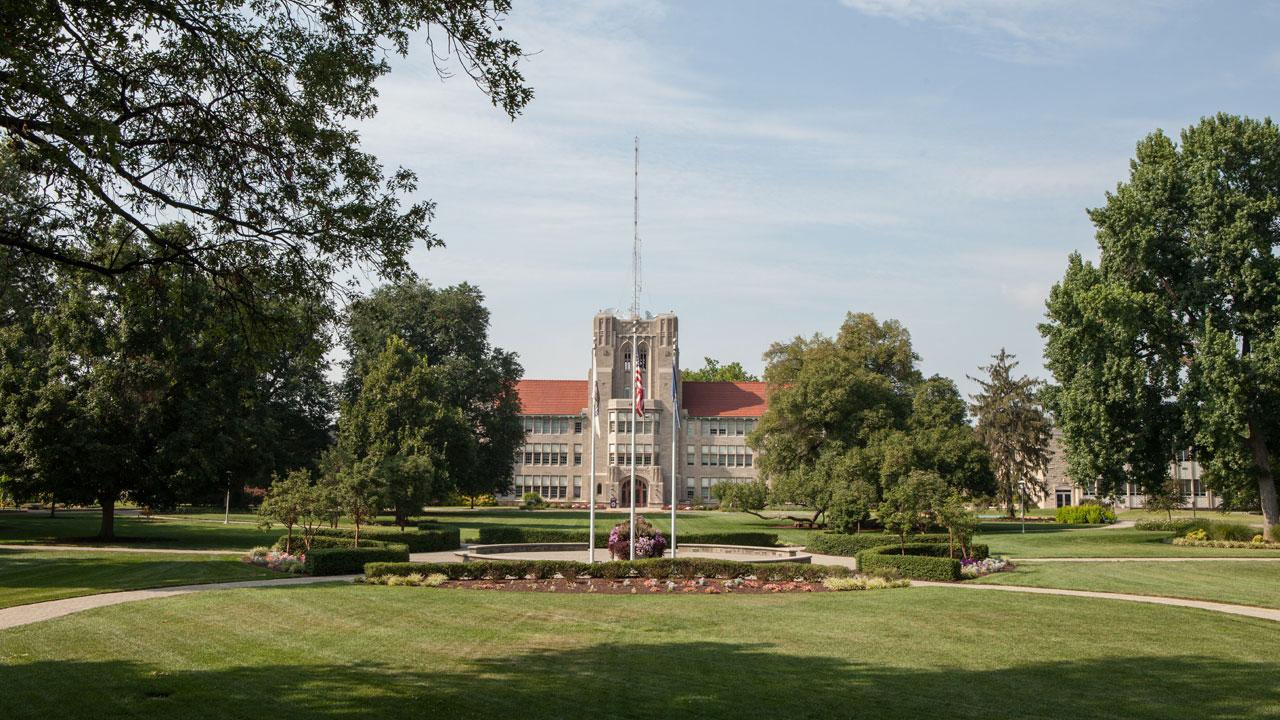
point(402, 433)
point(1014, 427)
point(1173, 338)
point(851, 416)
point(234, 117)
point(449, 327)
point(713, 371)
point(146, 386)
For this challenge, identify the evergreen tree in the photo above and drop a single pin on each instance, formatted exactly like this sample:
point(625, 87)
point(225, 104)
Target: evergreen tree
point(1013, 426)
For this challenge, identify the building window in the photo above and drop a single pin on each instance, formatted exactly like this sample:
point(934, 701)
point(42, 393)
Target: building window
point(644, 359)
point(577, 426)
point(691, 488)
point(626, 360)
point(577, 487)
point(691, 455)
point(577, 454)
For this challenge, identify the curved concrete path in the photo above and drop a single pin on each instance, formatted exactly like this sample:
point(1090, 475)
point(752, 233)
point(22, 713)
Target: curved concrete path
point(37, 612)
point(1245, 610)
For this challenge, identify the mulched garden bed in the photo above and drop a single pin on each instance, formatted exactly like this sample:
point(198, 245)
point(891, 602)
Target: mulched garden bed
point(637, 586)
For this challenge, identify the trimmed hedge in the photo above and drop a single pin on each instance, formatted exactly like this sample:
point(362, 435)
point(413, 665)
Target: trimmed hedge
point(1085, 515)
point(326, 541)
point(506, 534)
point(425, 538)
point(660, 568)
point(849, 545)
point(923, 561)
point(1222, 531)
point(347, 561)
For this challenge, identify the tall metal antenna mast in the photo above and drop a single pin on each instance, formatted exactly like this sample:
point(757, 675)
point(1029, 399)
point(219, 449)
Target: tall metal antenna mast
point(635, 248)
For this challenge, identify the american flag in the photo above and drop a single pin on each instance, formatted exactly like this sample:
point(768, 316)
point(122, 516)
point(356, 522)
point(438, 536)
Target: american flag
point(639, 393)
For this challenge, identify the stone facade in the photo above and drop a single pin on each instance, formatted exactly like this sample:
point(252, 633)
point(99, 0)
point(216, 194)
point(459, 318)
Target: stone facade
point(709, 444)
point(1060, 490)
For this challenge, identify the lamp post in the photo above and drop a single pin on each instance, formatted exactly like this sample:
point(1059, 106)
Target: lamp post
point(1022, 489)
point(226, 509)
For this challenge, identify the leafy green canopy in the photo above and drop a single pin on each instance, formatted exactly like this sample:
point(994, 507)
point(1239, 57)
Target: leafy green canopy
point(449, 328)
point(851, 416)
point(402, 432)
point(147, 386)
point(1173, 339)
point(232, 117)
point(713, 371)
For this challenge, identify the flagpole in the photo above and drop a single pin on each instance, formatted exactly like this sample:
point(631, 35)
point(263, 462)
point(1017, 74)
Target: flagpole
point(635, 367)
point(675, 427)
point(593, 408)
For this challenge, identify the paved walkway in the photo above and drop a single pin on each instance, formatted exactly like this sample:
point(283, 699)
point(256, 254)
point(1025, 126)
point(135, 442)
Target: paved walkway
point(37, 612)
point(1245, 610)
point(96, 548)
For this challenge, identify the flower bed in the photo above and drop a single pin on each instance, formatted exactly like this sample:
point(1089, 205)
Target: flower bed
point(658, 568)
point(646, 586)
point(510, 534)
point(276, 560)
point(1258, 543)
point(649, 543)
point(972, 567)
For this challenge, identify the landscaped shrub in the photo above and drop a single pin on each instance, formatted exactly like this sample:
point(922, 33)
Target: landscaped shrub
point(425, 538)
point(862, 582)
point(507, 534)
point(656, 568)
point(923, 561)
point(849, 545)
point(1240, 544)
point(344, 561)
point(1085, 515)
point(1182, 526)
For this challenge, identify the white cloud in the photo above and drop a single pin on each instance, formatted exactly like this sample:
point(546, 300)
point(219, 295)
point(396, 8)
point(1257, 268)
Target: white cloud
point(1030, 31)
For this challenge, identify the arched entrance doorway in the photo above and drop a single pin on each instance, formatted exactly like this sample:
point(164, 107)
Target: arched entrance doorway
point(642, 492)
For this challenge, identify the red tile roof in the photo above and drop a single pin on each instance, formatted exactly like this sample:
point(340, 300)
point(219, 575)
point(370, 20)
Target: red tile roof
point(701, 399)
point(725, 399)
point(552, 397)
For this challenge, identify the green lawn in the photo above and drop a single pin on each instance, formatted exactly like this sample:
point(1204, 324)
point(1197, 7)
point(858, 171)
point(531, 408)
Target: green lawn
point(691, 521)
point(1245, 583)
point(1053, 541)
point(340, 651)
point(39, 575)
point(1243, 518)
point(80, 528)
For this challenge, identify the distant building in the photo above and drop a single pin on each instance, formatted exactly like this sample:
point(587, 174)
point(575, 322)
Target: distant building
point(1061, 491)
point(710, 444)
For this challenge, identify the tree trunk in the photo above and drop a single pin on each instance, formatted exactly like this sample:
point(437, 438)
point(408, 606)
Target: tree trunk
point(1266, 480)
point(53, 505)
point(288, 542)
point(107, 531)
point(357, 522)
point(473, 502)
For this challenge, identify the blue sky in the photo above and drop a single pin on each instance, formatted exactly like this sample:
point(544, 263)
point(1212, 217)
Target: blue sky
point(922, 160)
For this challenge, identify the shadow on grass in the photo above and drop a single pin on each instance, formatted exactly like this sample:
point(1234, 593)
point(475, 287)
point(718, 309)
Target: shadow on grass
point(133, 532)
point(711, 680)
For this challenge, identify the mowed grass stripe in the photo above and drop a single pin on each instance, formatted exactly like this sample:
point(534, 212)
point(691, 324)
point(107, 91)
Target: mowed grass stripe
point(337, 651)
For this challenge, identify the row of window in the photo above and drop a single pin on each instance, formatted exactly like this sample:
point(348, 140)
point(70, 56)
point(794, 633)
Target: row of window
point(620, 454)
point(550, 487)
point(700, 487)
point(723, 426)
point(719, 456)
point(620, 422)
point(552, 424)
point(551, 454)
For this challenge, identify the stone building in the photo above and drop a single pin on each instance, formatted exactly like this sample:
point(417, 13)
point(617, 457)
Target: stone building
point(1061, 491)
point(710, 442)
